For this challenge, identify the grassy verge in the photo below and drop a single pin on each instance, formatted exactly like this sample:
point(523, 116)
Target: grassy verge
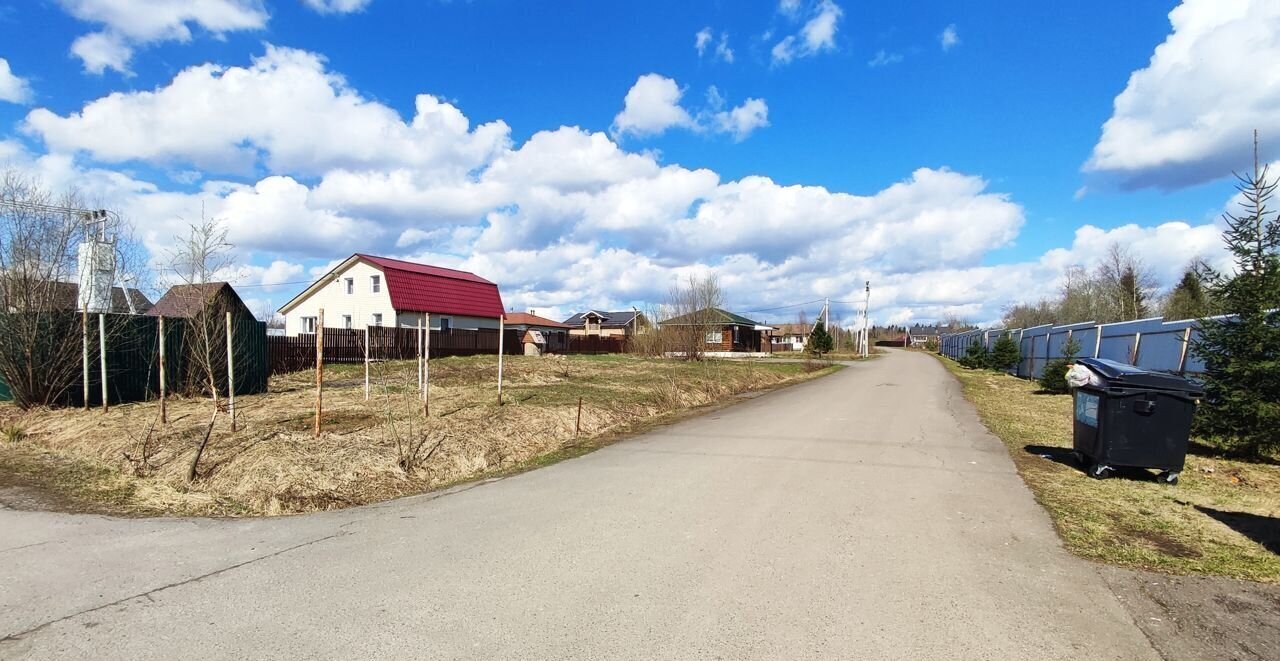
point(1223, 518)
point(369, 450)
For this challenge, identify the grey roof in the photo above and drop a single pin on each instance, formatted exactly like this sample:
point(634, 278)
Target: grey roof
point(713, 316)
point(623, 318)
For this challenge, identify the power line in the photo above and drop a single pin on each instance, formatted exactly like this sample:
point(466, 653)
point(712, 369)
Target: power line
point(784, 307)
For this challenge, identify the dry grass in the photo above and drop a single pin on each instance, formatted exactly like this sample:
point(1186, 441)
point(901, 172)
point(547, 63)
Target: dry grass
point(1222, 518)
point(369, 451)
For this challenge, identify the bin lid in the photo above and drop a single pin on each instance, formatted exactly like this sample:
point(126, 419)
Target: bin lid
point(1123, 374)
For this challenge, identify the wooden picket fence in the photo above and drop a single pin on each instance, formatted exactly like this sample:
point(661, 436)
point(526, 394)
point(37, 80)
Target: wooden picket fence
point(597, 344)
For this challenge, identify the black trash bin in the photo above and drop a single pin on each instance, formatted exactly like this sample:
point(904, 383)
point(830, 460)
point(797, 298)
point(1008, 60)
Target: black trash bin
point(1135, 418)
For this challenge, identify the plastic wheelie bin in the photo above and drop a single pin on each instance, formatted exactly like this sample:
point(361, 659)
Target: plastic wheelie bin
point(1133, 418)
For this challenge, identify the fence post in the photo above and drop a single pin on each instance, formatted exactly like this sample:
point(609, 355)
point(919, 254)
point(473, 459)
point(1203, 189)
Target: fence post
point(319, 369)
point(502, 330)
point(366, 363)
point(231, 375)
point(577, 426)
point(419, 338)
point(1186, 343)
point(164, 412)
point(1097, 343)
point(102, 356)
point(84, 336)
point(1137, 342)
point(426, 367)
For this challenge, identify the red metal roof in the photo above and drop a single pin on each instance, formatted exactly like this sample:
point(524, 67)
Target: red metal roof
point(424, 288)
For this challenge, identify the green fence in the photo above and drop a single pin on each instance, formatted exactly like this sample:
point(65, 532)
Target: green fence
point(133, 358)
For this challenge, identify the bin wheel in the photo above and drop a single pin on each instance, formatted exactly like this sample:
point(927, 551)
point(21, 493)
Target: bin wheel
point(1169, 477)
point(1100, 471)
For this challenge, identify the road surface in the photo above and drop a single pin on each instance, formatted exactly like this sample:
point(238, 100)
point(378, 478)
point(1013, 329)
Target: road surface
point(866, 515)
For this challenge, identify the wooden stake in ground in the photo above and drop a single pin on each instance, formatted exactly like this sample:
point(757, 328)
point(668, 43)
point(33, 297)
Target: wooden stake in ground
point(319, 369)
point(366, 363)
point(231, 375)
point(419, 358)
point(577, 426)
point(502, 331)
point(426, 367)
point(164, 413)
point(84, 336)
point(102, 356)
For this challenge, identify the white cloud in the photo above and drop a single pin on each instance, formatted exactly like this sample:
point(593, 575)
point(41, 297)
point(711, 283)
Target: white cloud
point(789, 7)
point(337, 6)
point(652, 106)
point(568, 218)
point(229, 119)
point(13, 88)
point(126, 23)
point(949, 38)
point(883, 59)
point(818, 34)
point(742, 120)
point(722, 48)
point(701, 40)
point(1188, 116)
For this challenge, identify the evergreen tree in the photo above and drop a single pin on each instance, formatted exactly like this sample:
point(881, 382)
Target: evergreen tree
point(975, 357)
point(1242, 353)
point(1132, 295)
point(820, 341)
point(1005, 354)
point(1188, 299)
point(1053, 378)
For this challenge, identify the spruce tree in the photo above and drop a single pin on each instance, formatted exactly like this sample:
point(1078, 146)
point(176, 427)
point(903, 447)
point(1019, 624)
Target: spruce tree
point(1005, 354)
point(1188, 299)
point(1053, 378)
point(975, 357)
point(820, 341)
point(1241, 410)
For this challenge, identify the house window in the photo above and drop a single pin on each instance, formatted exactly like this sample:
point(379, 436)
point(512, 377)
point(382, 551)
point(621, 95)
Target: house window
point(350, 285)
point(714, 337)
point(375, 284)
point(308, 324)
point(377, 317)
point(346, 321)
point(445, 324)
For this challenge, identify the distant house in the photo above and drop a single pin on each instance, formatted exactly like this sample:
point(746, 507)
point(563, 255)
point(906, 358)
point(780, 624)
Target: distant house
point(791, 337)
point(555, 334)
point(919, 336)
point(188, 301)
point(594, 322)
point(725, 332)
point(366, 290)
point(124, 300)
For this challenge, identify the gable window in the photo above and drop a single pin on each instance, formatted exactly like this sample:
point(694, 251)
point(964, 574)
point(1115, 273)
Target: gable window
point(350, 285)
point(308, 324)
point(714, 337)
point(346, 321)
point(375, 283)
point(377, 317)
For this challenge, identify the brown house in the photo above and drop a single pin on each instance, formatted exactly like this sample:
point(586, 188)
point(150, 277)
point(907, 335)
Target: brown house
point(187, 301)
point(554, 333)
point(724, 331)
point(607, 324)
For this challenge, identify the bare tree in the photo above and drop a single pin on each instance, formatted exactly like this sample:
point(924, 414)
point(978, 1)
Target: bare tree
point(40, 238)
point(691, 315)
point(1127, 285)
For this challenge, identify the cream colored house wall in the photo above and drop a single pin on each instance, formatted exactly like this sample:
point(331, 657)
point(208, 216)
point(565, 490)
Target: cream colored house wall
point(361, 304)
point(463, 322)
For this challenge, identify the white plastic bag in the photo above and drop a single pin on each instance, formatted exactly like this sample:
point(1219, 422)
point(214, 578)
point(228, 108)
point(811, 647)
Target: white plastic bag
point(1079, 375)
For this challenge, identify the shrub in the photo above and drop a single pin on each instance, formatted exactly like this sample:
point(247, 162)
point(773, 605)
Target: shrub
point(931, 345)
point(1005, 354)
point(975, 357)
point(1054, 376)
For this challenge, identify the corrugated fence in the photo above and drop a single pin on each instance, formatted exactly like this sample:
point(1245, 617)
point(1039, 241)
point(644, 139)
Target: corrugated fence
point(1153, 344)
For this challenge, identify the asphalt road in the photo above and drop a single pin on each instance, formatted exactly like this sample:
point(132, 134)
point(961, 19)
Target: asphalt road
point(866, 515)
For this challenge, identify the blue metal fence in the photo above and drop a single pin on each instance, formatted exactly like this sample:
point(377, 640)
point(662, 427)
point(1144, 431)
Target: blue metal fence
point(1148, 343)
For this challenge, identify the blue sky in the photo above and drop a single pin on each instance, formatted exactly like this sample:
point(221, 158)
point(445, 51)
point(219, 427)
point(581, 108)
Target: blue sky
point(1006, 114)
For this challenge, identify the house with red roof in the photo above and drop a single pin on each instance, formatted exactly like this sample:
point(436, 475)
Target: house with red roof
point(367, 290)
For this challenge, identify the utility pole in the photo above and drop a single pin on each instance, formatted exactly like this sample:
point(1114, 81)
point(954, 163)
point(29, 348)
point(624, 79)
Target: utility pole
point(865, 347)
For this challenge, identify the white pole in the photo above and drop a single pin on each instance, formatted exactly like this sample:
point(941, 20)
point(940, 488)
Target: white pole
point(102, 356)
point(84, 336)
point(426, 367)
point(419, 357)
point(502, 331)
point(231, 376)
point(366, 363)
point(164, 412)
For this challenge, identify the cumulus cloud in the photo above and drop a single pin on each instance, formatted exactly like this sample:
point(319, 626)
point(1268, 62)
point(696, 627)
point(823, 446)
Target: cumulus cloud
point(702, 43)
point(337, 6)
point(13, 88)
point(569, 218)
point(234, 119)
point(949, 38)
point(126, 24)
point(652, 106)
point(1188, 116)
point(818, 33)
